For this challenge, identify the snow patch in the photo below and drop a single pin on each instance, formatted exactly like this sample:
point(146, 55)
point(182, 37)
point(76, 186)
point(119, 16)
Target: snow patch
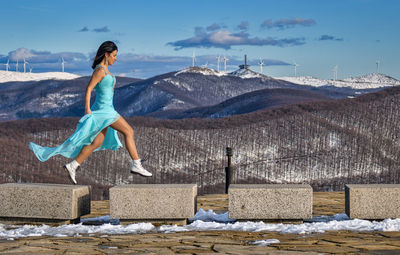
point(306, 80)
point(247, 74)
point(203, 221)
point(333, 140)
point(375, 78)
point(370, 81)
point(265, 242)
point(55, 100)
point(10, 76)
point(178, 84)
point(201, 70)
point(174, 104)
point(210, 215)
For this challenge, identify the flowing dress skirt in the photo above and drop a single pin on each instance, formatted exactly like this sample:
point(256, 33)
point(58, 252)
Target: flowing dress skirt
point(88, 127)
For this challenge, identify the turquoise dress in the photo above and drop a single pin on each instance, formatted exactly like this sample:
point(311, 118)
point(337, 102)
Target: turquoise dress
point(89, 126)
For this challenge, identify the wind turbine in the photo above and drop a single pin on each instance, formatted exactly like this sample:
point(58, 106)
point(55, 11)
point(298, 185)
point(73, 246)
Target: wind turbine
point(193, 59)
point(16, 66)
point(377, 66)
point(225, 59)
point(295, 68)
point(335, 71)
point(30, 67)
point(7, 65)
point(261, 63)
point(218, 59)
point(62, 64)
point(25, 65)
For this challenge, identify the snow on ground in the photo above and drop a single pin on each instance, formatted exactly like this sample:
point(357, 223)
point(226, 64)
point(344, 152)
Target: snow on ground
point(203, 221)
point(178, 84)
point(369, 81)
point(265, 242)
point(306, 80)
point(174, 104)
point(376, 78)
point(9, 76)
point(201, 70)
point(242, 73)
point(247, 74)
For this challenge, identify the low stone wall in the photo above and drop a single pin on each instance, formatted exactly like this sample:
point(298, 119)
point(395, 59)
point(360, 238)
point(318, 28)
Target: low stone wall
point(160, 203)
point(372, 201)
point(270, 201)
point(43, 203)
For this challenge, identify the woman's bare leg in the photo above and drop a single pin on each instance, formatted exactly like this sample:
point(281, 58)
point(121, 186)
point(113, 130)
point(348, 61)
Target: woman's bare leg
point(122, 126)
point(88, 149)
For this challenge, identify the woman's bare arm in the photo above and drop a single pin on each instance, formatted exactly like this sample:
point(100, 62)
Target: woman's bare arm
point(97, 75)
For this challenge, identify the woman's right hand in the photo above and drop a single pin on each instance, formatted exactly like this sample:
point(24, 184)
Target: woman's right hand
point(88, 111)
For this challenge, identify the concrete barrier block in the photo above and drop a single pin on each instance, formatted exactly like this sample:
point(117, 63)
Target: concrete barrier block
point(270, 201)
point(153, 201)
point(24, 201)
point(372, 201)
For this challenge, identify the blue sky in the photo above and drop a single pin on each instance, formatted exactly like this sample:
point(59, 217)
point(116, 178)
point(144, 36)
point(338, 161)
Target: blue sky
point(154, 37)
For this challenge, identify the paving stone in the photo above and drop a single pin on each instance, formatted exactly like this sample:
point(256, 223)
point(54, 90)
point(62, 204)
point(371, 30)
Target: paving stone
point(29, 250)
point(320, 248)
point(248, 250)
point(158, 244)
point(393, 242)
point(237, 249)
point(391, 234)
point(189, 249)
point(214, 253)
point(376, 247)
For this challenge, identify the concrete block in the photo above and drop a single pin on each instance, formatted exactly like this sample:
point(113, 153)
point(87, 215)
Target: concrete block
point(270, 201)
point(372, 201)
point(20, 202)
point(153, 201)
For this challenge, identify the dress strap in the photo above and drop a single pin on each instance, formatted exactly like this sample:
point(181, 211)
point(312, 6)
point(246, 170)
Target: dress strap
point(101, 67)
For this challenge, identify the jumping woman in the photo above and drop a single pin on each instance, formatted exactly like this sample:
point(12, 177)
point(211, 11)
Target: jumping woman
point(97, 129)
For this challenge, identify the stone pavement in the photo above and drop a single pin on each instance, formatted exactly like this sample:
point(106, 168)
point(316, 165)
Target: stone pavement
point(215, 242)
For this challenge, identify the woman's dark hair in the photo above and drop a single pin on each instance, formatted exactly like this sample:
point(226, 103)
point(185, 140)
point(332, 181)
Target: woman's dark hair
point(107, 46)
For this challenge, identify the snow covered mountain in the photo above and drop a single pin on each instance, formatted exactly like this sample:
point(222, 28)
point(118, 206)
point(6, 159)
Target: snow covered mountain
point(182, 90)
point(189, 88)
point(377, 79)
point(9, 76)
point(370, 81)
point(44, 98)
point(172, 93)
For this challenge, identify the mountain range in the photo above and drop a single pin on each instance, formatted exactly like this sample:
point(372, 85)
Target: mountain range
point(191, 92)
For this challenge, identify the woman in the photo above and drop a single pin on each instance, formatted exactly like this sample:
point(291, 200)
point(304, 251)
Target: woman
point(97, 129)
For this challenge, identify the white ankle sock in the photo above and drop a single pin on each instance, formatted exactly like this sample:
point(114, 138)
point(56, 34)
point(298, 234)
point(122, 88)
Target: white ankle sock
point(75, 164)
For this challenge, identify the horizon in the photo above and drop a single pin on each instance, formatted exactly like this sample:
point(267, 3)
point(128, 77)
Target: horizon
point(227, 73)
point(159, 37)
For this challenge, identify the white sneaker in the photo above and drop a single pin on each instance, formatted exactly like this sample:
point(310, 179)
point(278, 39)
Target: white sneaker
point(138, 168)
point(71, 168)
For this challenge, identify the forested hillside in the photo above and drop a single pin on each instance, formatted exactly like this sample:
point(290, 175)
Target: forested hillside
point(326, 144)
